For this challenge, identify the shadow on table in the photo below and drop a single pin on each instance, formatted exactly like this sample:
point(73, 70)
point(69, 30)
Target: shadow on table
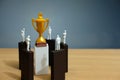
point(11, 63)
point(45, 77)
point(12, 75)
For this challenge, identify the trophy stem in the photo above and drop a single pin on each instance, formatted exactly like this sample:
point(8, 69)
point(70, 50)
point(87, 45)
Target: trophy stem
point(40, 39)
point(40, 35)
point(40, 42)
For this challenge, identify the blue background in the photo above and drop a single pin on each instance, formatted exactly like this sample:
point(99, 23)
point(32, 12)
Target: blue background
point(89, 23)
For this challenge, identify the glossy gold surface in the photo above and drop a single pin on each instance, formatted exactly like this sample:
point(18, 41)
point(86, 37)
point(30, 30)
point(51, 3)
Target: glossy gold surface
point(41, 26)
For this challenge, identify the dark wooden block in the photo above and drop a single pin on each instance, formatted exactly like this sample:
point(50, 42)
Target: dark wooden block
point(27, 70)
point(51, 44)
point(21, 46)
point(65, 47)
point(58, 65)
point(58, 76)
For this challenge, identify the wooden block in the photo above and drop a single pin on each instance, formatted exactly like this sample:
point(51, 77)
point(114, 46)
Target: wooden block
point(41, 61)
point(65, 47)
point(27, 67)
point(51, 44)
point(58, 65)
point(21, 46)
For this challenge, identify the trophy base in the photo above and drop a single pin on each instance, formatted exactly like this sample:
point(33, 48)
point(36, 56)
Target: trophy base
point(41, 60)
point(40, 44)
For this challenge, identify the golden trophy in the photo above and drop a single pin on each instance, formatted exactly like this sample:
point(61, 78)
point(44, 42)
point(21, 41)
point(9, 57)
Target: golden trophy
point(41, 26)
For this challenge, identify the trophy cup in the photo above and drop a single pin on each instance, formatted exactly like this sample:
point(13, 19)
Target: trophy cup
point(41, 26)
point(41, 57)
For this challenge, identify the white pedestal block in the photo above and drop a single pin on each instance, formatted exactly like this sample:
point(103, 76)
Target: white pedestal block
point(41, 60)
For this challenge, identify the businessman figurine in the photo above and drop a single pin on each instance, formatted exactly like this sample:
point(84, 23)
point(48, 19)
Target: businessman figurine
point(23, 34)
point(57, 43)
point(64, 37)
point(28, 42)
point(49, 33)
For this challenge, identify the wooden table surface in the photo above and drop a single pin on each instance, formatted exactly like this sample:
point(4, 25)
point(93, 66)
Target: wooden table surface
point(84, 64)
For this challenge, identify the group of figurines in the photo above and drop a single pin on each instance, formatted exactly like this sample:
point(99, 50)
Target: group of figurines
point(58, 56)
point(57, 41)
point(47, 52)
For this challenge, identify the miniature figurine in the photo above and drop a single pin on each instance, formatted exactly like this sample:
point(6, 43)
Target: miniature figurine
point(49, 33)
point(23, 34)
point(64, 37)
point(57, 43)
point(28, 42)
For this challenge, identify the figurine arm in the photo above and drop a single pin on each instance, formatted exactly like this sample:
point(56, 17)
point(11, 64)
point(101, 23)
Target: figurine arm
point(34, 25)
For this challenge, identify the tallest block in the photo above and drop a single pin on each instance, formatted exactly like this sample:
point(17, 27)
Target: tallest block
point(41, 47)
point(41, 60)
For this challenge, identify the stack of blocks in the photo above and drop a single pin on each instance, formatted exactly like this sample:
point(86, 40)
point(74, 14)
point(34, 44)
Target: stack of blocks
point(49, 52)
point(58, 60)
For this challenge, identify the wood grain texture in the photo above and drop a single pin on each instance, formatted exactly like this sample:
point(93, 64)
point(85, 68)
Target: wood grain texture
point(84, 64)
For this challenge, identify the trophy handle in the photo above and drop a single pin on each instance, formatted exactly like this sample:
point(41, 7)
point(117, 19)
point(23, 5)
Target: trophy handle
point(47, 20)
point(34, 25)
